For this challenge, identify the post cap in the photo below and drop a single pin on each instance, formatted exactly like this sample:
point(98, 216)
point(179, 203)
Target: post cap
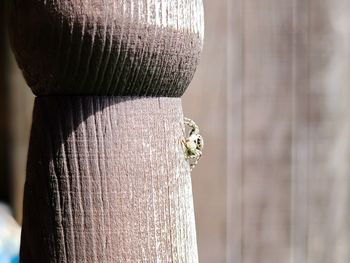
point(109, 47)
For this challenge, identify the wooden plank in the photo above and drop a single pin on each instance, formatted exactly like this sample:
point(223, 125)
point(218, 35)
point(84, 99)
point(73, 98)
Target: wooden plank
point(329, 139)
point(234, 112)
point(268, 174)
point(294, 182)
point(300, 100)
point(267, 131)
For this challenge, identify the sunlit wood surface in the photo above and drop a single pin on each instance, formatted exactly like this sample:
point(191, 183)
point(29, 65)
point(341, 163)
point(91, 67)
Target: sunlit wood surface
point(283, 196)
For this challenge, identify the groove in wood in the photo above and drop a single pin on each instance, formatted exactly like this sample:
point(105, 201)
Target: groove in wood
point(111, 47)
point(107, 181)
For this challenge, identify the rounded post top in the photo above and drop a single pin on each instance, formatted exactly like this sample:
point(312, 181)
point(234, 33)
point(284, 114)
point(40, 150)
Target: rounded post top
point(108, 47)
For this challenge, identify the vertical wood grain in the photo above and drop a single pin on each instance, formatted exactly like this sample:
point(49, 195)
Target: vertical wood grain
point(147, 50)
point(329, 143)
point(267, 130)
point(291, 186)
point(114, 47)
point(234, 117)
point(110, 182)
point(301, 134)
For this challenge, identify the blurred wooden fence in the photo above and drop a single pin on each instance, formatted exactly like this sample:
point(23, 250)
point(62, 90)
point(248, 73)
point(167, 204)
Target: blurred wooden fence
point(289, 179)
point(287, 105)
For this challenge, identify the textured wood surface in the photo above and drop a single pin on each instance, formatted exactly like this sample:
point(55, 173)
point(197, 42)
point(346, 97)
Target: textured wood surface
point(111, 47)
point(107, 181)
point(290, 171)
point(327, 235)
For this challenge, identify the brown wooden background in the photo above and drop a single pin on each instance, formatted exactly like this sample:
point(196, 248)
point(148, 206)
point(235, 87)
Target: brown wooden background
point(272, 99)
point(274, 185)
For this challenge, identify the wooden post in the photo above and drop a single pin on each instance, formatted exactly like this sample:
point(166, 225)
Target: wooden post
point(107, 180)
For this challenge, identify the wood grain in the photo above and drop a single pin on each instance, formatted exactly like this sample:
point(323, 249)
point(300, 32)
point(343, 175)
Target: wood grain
point(111, 47)
point(107, 181)
point(290, 186)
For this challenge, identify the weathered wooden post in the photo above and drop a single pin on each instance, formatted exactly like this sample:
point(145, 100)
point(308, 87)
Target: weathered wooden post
point(107, 180)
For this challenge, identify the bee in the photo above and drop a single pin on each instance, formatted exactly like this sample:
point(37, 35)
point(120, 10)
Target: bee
point(193, 144)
